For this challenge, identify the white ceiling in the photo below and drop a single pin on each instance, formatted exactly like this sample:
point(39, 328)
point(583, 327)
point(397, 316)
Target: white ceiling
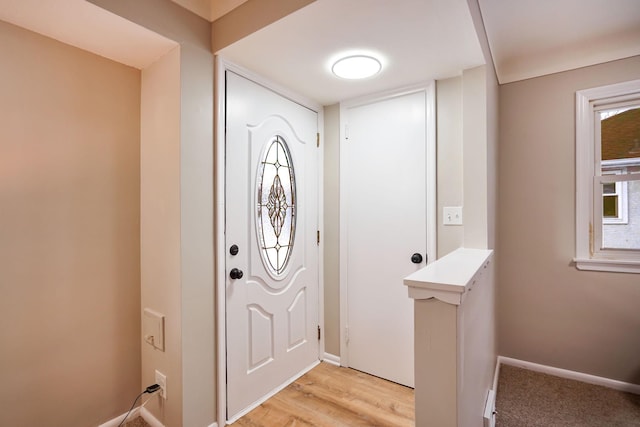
point(89, 27)
point(432, 39)
point(530, 38)
point(419, 41)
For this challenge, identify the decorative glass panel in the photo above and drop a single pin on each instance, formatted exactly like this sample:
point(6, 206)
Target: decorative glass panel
point(276, 205)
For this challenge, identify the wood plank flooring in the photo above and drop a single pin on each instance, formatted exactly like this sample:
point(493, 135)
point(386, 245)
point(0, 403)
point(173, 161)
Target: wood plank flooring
point(335, 397)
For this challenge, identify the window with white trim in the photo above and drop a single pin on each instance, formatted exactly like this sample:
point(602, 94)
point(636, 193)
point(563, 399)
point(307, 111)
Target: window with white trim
point(608, 178)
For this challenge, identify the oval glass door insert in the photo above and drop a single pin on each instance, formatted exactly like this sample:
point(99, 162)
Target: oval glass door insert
point(276, 206)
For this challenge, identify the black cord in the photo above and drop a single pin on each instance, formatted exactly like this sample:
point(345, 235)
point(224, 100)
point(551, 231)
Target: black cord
point(151, 389)
point(132, 406)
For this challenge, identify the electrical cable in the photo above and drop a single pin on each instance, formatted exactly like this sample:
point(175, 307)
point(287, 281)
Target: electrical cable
point(151, 389)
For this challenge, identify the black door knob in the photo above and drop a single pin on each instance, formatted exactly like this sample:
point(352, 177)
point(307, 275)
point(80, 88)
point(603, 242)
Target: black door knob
point(416, 258)
point(233, 250)
point(235, 274)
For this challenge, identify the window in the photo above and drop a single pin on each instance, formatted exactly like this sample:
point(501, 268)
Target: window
point(276, 206)
point(608, 178)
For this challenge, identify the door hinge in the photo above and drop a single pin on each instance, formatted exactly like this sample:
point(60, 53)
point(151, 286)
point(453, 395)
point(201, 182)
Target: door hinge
point(346, 131)
point(319, 333)
point(318, 139)
point(346, 335)
point(318, 237)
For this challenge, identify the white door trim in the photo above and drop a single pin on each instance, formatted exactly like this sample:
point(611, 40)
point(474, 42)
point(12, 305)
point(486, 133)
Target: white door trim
point(429, 88)
point(221, 67)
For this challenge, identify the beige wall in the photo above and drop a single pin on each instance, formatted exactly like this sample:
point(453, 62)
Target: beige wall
point(449, 163)
point(69, 233)
point(332, 229)
point(474, 132)
point(195, 287)
point(196, 235)
point(160, 226)
point(485, 129)
point(549, 312)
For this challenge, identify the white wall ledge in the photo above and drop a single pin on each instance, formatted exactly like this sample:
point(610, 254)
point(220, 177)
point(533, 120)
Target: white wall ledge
point(449, 278)
point(611, 265)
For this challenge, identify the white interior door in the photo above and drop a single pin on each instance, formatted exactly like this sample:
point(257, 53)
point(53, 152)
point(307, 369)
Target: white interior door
point(384, 177)
point(272, 254)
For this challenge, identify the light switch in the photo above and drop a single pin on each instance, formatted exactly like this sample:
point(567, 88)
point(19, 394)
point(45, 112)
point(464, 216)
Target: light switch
point(452, 215)
point(153, 328)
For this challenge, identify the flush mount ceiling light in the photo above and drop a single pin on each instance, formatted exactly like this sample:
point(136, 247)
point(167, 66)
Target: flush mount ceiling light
point(356, 67)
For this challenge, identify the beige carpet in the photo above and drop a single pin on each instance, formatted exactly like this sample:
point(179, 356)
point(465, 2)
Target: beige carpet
point(531, 399)
point(137, 422)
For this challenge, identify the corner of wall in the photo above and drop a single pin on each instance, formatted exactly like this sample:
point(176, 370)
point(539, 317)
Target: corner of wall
point(160, 226)
point(332, 229)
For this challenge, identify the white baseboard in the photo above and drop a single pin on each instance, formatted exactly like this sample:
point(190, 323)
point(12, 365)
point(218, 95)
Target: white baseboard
point(137, 411)
point(571, 375)
point(117, 420)
point(149, 418)
point(496, 375)
point(489, 416)
point(331, 358)
point(153, 421)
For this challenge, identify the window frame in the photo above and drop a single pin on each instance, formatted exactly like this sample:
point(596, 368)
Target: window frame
point(589, 252)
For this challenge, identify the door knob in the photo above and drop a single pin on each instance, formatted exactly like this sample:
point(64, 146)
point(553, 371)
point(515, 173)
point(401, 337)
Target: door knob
point(416, 258)
point(236, 273)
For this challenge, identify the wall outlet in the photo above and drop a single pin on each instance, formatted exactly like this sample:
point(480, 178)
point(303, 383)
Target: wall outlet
point(161, 380)
point(452, 215)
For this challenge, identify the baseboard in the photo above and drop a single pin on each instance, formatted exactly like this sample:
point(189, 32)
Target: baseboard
point(153, 421)
point(571, 375)
point(115, 422)
point(331, 359)
point(496, 375)
point(489, 416)
point(149, 418)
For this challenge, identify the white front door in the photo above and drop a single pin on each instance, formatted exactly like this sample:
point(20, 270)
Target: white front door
point(384, 177)
point(272, 253)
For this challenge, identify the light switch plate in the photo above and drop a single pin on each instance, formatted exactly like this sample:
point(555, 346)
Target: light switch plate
point(452, 215)
point(153, 328)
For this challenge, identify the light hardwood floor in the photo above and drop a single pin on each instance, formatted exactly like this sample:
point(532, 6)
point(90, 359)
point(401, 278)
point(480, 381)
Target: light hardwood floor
point(335, 397)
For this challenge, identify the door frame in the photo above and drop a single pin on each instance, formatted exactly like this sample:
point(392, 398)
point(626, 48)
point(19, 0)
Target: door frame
point(221, 66)
point(429, 88)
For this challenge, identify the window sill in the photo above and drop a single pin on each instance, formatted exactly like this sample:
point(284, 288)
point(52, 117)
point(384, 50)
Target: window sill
point(615, 266)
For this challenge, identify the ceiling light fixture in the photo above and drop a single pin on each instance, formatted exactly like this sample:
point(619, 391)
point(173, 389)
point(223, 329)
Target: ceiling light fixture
point(356, 67)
